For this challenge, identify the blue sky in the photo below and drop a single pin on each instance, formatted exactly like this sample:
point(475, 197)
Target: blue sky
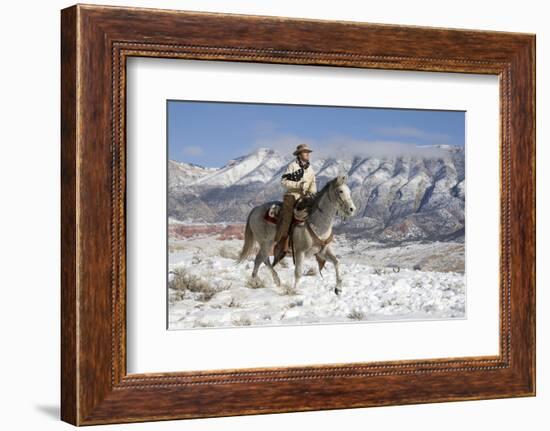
point(212, 133)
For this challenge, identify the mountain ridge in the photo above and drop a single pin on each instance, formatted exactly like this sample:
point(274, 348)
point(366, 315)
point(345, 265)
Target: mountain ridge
point(415, 196)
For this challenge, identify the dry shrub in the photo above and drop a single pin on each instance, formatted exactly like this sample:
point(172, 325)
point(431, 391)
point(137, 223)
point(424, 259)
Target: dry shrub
point(288, 290)
point(356, 315)
point(241, 321)
point(234, 303)
point(184, 281)
point(203, 324)
point(172, 247)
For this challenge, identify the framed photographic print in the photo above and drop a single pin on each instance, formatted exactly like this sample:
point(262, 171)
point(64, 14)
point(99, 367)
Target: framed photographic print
point(265, 214)
point(382, 192)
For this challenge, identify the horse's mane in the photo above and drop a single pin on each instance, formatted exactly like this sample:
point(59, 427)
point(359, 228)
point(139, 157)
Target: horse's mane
point(311, 203)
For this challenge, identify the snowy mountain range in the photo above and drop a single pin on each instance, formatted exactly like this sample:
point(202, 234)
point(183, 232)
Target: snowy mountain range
point(413, 196)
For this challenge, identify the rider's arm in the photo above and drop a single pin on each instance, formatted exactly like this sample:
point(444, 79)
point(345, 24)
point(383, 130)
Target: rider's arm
point(291, 186)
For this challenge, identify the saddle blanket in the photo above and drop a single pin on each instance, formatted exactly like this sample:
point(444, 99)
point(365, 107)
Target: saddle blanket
point(272, 214)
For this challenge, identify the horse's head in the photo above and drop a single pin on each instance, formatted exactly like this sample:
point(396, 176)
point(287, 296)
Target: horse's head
point(342, 194)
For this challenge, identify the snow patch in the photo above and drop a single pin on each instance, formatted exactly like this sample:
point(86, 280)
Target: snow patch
point(373, 289)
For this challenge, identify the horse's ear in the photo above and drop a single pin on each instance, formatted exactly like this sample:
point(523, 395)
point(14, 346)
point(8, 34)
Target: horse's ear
point(341, 180)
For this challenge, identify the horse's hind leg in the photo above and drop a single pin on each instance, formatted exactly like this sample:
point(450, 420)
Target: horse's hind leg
point(260, 257)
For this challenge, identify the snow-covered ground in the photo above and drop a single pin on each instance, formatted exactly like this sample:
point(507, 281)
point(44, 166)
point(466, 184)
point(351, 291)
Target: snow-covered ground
point(413, 281)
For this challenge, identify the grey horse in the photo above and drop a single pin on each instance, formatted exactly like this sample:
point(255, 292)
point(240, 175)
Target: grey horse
point(307, 239)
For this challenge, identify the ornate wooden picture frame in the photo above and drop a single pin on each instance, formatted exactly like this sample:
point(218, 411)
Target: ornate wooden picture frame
point(96, 41)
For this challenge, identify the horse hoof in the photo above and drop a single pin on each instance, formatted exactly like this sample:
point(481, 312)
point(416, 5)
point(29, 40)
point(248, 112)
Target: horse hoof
point(337, 291)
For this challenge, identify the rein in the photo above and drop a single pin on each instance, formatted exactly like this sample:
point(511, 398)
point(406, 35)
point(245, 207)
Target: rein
point(319, 241)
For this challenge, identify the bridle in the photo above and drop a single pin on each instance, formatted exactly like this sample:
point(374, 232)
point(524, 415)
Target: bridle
point(337, 198)
point(341, 202)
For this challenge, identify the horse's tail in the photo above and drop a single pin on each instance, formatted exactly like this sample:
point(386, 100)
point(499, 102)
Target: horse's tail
point(248, 245)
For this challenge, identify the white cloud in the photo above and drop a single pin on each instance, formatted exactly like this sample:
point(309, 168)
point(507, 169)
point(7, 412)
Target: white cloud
point(192, 150)
point(413, 132)
point(282, 143)
point(401, 141)
point(343, 146)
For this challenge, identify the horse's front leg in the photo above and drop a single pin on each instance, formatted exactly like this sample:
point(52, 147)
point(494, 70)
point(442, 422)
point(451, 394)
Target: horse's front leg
point(274, 274)
point(299, 259)
point(334, 260)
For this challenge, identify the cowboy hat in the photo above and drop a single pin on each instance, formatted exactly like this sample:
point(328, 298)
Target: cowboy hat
point(302, 148)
